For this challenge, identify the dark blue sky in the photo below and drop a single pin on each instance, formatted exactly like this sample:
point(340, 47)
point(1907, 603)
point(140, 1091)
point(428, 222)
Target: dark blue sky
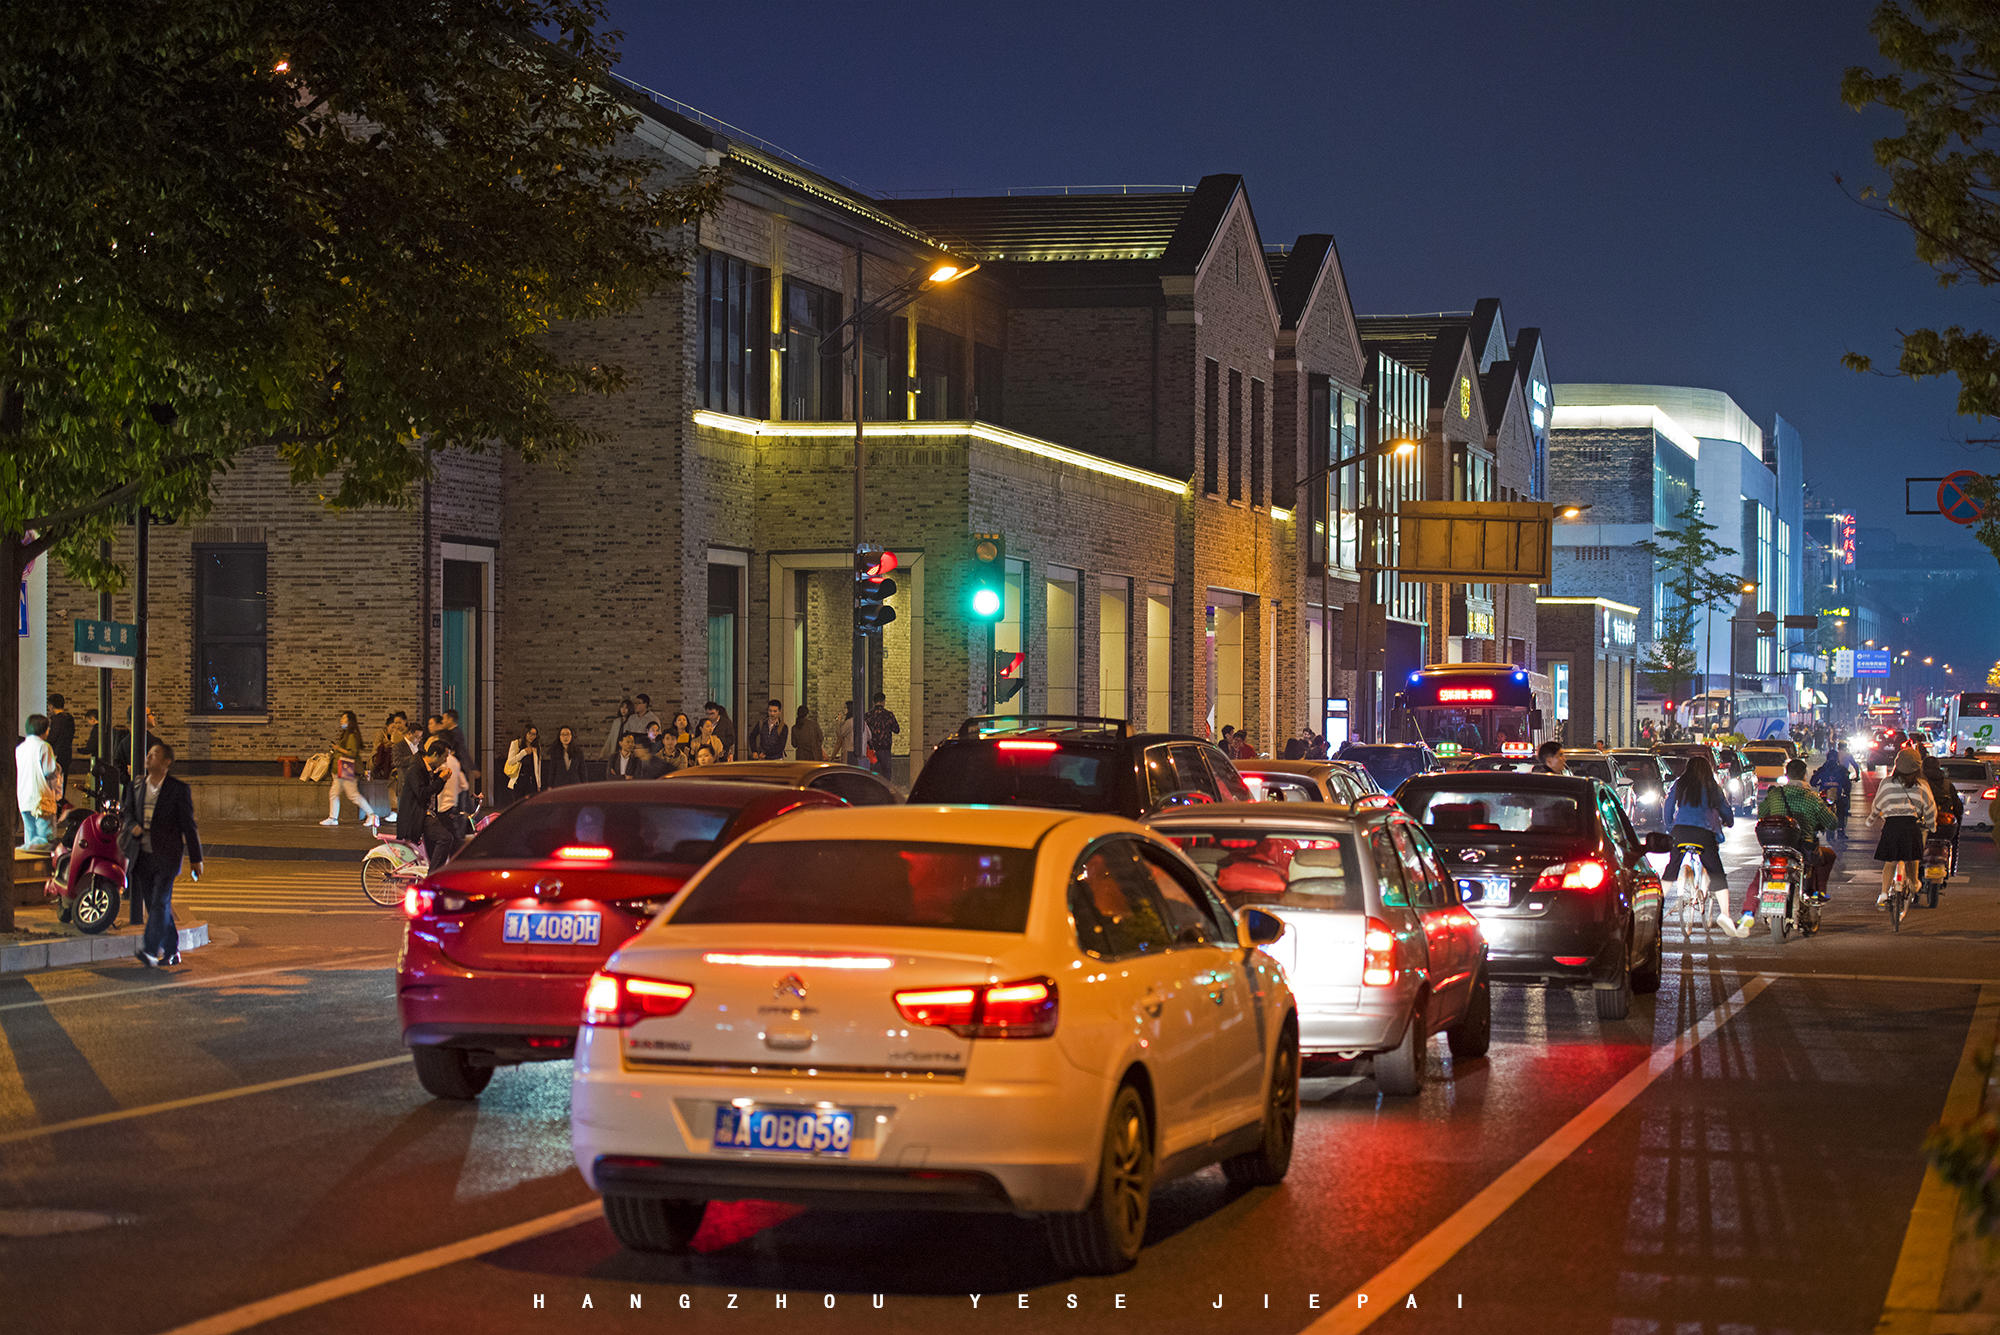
point(1652, 184)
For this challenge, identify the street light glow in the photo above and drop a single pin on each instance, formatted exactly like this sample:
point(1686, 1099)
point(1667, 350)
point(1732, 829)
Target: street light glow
point(944, 273)
point(1749, 586)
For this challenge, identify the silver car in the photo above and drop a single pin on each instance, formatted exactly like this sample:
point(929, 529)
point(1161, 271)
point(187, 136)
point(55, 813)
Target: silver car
point(1311, 781)
point(1380, 953)
point(1971, 779)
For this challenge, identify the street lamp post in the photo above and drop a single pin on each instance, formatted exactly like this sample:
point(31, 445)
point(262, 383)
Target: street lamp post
point(1322, 475)
point(1749, 587)
point(854, 329)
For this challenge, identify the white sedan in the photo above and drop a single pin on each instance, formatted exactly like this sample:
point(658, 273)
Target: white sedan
point(1003, 1009)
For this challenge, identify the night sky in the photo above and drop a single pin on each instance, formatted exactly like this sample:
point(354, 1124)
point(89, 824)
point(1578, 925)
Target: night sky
point(1651, 184)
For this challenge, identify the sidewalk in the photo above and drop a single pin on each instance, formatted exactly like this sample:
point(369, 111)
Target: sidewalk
point(38, 941)
point(306, 841)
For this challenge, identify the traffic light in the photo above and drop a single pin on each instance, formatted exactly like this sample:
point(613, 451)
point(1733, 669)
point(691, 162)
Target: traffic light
point(872, 590)
point(1670, 709)
point(989, 572)
point(1010, 672)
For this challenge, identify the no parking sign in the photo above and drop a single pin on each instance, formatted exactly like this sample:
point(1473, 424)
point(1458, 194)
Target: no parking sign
point(1954, 497)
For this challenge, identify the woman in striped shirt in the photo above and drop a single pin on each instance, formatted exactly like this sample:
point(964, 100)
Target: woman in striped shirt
point(1906, 811)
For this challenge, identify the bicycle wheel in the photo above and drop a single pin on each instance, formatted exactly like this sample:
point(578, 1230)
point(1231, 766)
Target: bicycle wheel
point(380, 882)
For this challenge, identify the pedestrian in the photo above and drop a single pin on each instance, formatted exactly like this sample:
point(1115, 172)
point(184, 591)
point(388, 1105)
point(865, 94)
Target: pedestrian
point(565, 761)
point(1295, 749)
point(625, 765)
point(725, 729)
point(643, 717)
point(680, 741)
point(609, 751)
point(345, 776)
point(1317, 750)
point(808, 743)
point(708, 744)
point(382, 760)
point(62, 732)
point(770, 737)
point(90, 734)
point(444, 823)
point(1227, 741)
point(159, 831)
point(882, 729)
point(652, 764)
point(38, 786)
point(524, 765)
point(421, 780)
point(457, 795)
point(1549, 760)
point(461, 753)
point(844, 737)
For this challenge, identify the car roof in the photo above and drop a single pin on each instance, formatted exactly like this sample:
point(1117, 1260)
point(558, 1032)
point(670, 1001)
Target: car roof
point(1075, 737)
point(1388, 746)
point(998, 826)
point(1256, 815)
point(1309, 768)
point(795, 773)
point(1496, 779)
point(670, 792)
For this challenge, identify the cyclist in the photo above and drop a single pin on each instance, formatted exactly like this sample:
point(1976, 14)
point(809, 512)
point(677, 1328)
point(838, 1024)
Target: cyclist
point(1837, 772)
point(1906, 811)
point(1809, 816)
point(1950, 806)
point(1697, 812)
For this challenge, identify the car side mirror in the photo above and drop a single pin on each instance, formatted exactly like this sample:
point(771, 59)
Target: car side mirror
point(1255, 927)
point(1658, 843)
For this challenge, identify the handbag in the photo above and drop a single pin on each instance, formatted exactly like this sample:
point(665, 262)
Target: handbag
point(345, 768)
point(512, 768)
point(316, 767)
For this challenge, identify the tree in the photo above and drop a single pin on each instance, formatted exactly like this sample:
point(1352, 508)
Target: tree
point(336, 229)
point(1943, 183)
point(1693, 586)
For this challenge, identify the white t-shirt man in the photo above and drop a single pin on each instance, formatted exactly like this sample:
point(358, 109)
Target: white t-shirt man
point(454, 784)
point(36, 777)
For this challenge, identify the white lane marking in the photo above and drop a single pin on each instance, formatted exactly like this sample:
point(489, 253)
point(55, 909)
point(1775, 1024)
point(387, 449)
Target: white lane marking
point(342, 1286)
point(1384, 1291)
point(208, 980)
point(1861, 977)
point(298, 913)
point(171, 1105)
point(1921, 1265)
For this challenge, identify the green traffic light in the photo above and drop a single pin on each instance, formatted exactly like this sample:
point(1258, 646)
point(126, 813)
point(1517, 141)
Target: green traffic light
point(985, 603)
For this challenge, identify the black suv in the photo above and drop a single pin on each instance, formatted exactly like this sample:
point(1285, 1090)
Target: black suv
point(1077, 763)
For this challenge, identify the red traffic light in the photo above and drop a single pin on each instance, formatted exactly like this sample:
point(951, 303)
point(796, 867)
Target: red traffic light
point(884, 563)
point(1670, 706)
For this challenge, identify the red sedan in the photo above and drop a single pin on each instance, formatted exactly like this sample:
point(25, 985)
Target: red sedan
point(503, 938)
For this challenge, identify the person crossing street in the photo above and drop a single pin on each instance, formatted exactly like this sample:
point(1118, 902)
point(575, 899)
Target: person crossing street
point(159, 831)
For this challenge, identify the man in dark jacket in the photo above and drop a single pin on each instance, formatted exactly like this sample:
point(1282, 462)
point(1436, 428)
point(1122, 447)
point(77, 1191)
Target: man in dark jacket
point(808, 742)
point(768, 738)
point(417, 818)
point(62, 731)
point(159, 830)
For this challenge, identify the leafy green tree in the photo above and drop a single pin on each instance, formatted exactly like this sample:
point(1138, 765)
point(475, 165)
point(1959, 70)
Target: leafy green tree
point(333, 229)
point(1942, 172)
point(1688, 558)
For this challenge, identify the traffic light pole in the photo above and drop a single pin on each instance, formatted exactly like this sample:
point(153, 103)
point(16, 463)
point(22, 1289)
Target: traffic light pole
point(857, 747)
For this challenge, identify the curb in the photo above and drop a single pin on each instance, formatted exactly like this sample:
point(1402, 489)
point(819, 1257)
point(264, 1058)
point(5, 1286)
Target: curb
point(72, 951)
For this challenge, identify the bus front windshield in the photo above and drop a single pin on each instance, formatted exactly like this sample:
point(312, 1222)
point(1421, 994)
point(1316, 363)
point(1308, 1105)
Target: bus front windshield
point(1477, 732)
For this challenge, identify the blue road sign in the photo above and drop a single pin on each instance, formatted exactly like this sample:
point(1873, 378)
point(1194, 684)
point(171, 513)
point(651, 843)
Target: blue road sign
point(1871, 662)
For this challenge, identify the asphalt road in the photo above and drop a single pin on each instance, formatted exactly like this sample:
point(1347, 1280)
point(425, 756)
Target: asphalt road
point(240, 1144)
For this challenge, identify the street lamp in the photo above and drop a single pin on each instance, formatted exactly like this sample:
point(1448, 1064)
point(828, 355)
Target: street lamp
point(1401, 449)
point(854, 331)
point(1571, 511)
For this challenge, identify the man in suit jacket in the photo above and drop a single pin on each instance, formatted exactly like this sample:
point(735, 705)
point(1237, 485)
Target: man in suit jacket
point(159, 830)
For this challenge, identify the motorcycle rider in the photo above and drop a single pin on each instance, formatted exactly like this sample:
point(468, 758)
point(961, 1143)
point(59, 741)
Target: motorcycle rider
point(1836, 772)
point(1809, 815)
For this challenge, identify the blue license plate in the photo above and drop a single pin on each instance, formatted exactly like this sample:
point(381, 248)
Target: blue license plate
point(543, 927)
point(821, 1131)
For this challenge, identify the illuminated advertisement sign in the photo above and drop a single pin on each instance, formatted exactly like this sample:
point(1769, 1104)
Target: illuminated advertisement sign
point(1871, 662)
point(1846, 527)
point(1456, 695)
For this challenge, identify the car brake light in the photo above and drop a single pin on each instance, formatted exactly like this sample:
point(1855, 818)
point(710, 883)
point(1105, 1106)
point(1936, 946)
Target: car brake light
point(1584, 874)
point(1378, 955)
point(1572, 961)
point(614, 1001)
point(1027, 746)
point(583, 853)
point(1022, 1009)
point(1991, 793)
point(417, 902)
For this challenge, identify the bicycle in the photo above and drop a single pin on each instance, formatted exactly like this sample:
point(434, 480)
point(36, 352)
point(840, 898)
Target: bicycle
point(391, 868)
point(1697, 895)
point(1902, 894)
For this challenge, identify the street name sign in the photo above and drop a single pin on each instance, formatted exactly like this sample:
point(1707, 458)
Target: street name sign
point(105, 644)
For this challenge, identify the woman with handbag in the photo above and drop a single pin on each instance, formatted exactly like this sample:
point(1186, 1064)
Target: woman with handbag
point(346, 773)
point(524, 765)
point(565, 765)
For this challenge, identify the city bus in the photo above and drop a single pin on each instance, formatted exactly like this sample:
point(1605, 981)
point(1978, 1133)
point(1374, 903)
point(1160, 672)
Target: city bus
point(1975, 716)
point(1477, 708)
point(1759, 716)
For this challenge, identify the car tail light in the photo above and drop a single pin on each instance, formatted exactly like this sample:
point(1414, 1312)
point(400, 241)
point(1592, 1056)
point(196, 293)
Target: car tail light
point(1378, 955)
point(1991, 793)
point(1022, 1009)
point(615, 1001)
point(1572, 961)
point(583, 853)
point(1583, 874)
point(417, 902)
point(1027, 746)
point(427, 901)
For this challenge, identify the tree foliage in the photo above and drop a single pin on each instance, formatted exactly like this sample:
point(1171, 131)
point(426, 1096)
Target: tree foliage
point(336, 229)
point(1688, 559)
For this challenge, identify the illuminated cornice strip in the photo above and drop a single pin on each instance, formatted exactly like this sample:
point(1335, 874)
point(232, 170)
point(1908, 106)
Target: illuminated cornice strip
point(1281, 515)
point(1618, 416)
point(993, 435)
point(1605, 603)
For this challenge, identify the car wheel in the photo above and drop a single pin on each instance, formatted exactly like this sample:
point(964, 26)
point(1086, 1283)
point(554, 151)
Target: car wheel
point(1400, 1071)
point(1473, 1034)
point(1646, 978)
point(1266, 1165)
point(448, 1073)
point(648, 1224)
point(1104, 1237)
point(1615, 1002)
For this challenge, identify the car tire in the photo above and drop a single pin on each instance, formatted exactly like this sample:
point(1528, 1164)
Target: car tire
point(1400, 1070)
point(1615, 1002)
point(648, 1224)
point(1267, 1165)
point(1646, 978)
point(1104, 1237)
point(1473, 1034)
point(448, 1073)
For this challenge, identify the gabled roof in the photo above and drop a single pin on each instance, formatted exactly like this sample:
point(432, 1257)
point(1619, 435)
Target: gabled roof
point(1171, 229)
point(1496, 387)
point(1429, 343)
point(1295, 275)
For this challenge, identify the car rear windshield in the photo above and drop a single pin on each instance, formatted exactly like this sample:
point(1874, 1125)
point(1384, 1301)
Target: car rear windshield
point(1968, 771)
point(1765, 758)
point(866, 883)
point(601, 832)
point(1643, 771)
point(1020, 773)
point(1451, 811)
point(1671, 765)
point(1592, 767)
point(1298, 869)
point(1389, 764)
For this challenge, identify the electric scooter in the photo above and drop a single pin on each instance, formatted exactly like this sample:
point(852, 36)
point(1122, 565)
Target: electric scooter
point(87, 872)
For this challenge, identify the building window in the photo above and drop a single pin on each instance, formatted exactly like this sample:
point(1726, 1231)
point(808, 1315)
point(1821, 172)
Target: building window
point(725, 606)
point(1160, 656)
point(885, 360)
point(1114, 653)
point(1319, 434)
point(940, 375)
point(1008, 641)
point(1211, 426)
point(230, 630)
point(735, 322)
point(989, 384)
point(1257, 442)
point(1059, 615)
point(1234, 462)
point(812, 387)
point(1344, 431)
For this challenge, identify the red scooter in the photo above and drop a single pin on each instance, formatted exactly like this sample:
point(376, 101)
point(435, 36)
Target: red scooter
point(87, 873)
